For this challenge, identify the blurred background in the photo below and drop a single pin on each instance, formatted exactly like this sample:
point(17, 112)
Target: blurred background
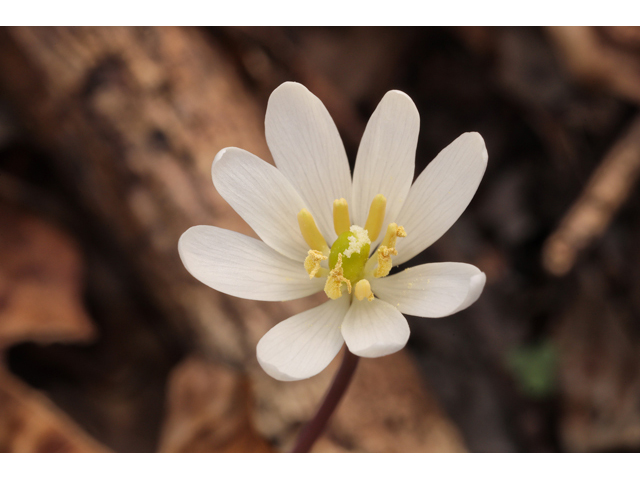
point(106, 141)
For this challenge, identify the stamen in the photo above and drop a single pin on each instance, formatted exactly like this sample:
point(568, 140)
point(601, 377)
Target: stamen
point(333, 286)
point(376, 216)
point(388, 248)
point(310, 232)
point(341, 222)
point(363, 290)
point(312, 262)
point(393, 232)
point(384, 261)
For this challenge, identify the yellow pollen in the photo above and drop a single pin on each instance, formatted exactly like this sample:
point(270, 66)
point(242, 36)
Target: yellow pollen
point(310, 232)
point(333, 286)
point(312, 262)
point(393, 232)
point(356, 241)
point(388, 248)
point(384, 261)
point(376, 216)
point(341, 222)
point(363, 290)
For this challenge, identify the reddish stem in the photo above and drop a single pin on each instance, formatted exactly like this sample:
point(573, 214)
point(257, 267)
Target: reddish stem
point(312, 430)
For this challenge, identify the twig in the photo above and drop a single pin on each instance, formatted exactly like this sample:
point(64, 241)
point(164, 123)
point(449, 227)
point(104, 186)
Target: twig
point(597, 63)
point(592, 212)
point(317, 424)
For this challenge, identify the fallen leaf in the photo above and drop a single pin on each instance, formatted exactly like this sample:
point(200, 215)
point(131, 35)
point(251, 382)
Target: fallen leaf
point(40, 283)
point(40, 301)
point(209, 411)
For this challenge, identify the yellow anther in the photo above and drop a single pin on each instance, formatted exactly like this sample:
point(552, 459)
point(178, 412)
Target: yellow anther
point(341, 222)
point(312, 262)
point(388, 248)
point(376, 216)
point(363, 290)
point(333, 286)
point(384, 261)
point(310, 232)
point(393, 232)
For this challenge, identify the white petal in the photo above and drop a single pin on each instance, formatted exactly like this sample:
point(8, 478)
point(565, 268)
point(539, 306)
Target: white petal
point(386, 157)
point(440, 194)
point(303, 345)
point(374, 329)
point(307, 149)
point(242, 266)
point(432, 290)
point(476, 285)
point(263, 197)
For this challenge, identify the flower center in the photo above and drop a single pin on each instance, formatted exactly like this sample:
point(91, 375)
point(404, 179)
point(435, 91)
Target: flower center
point(353, 245)
point(348, 258)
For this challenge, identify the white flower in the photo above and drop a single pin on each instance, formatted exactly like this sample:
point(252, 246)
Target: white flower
point(323, 230)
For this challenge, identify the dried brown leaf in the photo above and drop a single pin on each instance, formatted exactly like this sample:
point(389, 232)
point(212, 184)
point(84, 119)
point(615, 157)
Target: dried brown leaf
point(40, 301)
point(40, 283)
point(209, 411)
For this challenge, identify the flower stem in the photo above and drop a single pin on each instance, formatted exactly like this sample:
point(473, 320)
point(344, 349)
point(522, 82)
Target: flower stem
point(312, 430)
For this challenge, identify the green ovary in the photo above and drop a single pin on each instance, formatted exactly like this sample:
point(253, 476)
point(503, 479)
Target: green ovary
point(353, 265)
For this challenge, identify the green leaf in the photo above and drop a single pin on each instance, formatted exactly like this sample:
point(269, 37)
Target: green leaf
point(535, 368)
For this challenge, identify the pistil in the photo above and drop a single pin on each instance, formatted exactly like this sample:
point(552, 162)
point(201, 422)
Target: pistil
point(349, 254)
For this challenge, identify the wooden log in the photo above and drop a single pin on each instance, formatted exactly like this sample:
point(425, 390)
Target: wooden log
point(134, 117)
